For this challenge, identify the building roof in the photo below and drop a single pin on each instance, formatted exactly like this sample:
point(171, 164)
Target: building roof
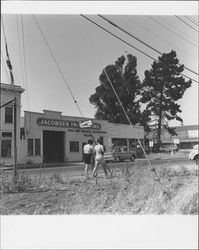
point(11, 88)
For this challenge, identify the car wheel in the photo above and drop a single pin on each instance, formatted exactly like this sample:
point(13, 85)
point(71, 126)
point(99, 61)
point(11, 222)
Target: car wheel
point(132, 158)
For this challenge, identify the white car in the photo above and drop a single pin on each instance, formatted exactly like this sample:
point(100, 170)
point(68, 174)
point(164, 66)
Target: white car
point(194, 155)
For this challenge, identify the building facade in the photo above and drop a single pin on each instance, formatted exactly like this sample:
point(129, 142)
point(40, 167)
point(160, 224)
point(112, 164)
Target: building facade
point(51, 137)
point(7, 93)
point(186, 138)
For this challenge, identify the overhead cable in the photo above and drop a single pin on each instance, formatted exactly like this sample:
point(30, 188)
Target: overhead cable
point(4, 67)
point(88, 19)
point(60, 71)
point(8, 62)
point(186, 23)
point(172, 31)
point(160, 37)
point(139, 40)
point(19, 46)
point(55, 60)
point(194, 20)
point(191, 20)
point(24, 57)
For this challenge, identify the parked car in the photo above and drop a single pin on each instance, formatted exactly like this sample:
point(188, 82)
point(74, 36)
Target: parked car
point(168, 148)
point(108, 156)
point(194, 154)
point(119, 156)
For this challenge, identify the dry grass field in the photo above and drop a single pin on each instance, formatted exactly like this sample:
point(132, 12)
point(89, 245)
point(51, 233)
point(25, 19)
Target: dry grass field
point(128, 191)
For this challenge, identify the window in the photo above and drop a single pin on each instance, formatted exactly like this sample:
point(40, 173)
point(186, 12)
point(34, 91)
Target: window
point(6, 148)
point(22, 133)
point(132, 144)
point(119, 144)
point(34, 146)
point(6, 134)
point(37, 147)
point(74, 146)
point(8, 115)
point(30, 146)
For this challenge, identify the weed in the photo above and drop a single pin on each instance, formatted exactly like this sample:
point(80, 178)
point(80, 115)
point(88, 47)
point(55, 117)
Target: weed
point(56, 177)
point(18, 183)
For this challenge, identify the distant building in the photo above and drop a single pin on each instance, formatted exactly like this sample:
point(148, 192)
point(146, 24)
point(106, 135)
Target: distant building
point(186, 138)
point(7, 93)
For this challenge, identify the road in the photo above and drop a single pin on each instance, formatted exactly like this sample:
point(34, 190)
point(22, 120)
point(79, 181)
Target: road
point(78, 168)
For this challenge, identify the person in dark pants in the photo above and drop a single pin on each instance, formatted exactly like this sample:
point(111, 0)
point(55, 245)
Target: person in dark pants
point(88, 152)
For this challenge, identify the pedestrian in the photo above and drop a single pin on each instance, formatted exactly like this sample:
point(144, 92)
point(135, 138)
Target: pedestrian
point(99, 150)
point(88, 152)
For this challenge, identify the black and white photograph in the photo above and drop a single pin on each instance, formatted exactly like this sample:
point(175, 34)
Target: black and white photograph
point(99, 114)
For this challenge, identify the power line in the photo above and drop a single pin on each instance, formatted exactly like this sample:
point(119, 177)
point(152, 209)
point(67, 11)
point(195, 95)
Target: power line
point(4, 67)
point(88, 19)
point(118, 37)
point(8, 62)
point(177, 34)
point(191, 17)
point(24, 57)
point(155, 34)
point(60, 71)
point(67, 85)
point(191, 20)
point(180, 30)
point(19, 47)
point(186, 23)
point(139, 40)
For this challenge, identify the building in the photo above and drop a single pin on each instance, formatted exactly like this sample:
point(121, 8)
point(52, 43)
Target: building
point(7, 93)
point(186, 138)
point(51, 137)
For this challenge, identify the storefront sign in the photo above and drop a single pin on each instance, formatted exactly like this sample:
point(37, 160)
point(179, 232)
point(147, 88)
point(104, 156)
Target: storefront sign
point(86, 124)
point(63, 123)
point(176, 141)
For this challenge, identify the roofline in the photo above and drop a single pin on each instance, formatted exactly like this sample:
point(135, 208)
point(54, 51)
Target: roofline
point(11, 88)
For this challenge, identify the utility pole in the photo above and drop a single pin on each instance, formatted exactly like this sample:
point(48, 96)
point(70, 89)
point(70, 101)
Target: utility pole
point(15, 136)
point(8, 62)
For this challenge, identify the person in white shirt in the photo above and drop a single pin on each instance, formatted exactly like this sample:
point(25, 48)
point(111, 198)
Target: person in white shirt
point(88, 152)
point(99, 158)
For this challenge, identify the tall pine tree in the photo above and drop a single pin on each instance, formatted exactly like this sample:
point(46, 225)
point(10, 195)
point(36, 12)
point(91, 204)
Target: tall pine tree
point(161, 89)
point(126, 83)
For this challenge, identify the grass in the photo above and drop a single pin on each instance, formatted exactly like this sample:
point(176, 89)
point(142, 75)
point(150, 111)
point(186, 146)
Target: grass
point(130, 191)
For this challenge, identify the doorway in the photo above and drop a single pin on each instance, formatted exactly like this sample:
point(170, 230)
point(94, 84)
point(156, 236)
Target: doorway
point(53, 146)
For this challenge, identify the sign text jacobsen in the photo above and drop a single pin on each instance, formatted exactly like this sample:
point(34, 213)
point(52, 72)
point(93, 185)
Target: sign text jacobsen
point(63, 124)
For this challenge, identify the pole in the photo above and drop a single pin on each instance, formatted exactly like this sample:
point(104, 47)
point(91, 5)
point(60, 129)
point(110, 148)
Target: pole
point(15, 137)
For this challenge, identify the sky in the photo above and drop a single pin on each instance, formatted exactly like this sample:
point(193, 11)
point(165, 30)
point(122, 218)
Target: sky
point(82, 50)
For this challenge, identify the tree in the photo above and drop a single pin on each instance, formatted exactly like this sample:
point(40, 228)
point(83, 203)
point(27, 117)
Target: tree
point(161, 89)
point(126, 83)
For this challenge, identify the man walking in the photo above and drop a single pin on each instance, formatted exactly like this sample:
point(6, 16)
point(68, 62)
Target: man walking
point(88, 152)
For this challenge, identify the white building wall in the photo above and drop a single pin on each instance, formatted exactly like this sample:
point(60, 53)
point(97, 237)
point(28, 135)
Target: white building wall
point(7, 93)
point(33, 131)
